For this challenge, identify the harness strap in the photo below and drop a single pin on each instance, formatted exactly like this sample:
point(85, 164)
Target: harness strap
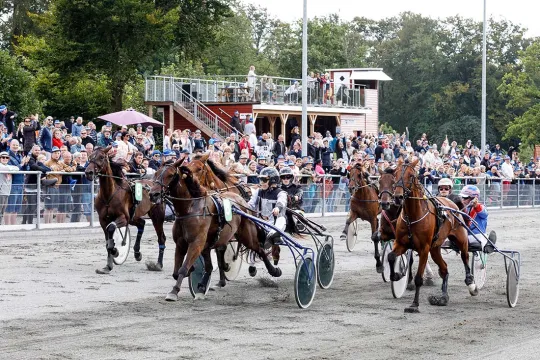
point(390, 222)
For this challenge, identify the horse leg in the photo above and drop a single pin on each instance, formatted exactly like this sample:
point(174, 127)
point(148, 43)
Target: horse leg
point(443, 272)
point(398, 250)
point(157, 215)
point(419, 279)
point(463, 244)
point(375, 237)
point(137, 246)
point(208, 268)
point(179, 255)
point(249, 237)
point(111, 250)
point(275, 254)
point(222, 266)
point(429, 278)
point(410, 285)
point(193, 252)
point(351, 218)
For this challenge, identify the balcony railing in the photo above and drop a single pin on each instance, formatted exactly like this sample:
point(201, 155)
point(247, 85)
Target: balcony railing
point(258, 89)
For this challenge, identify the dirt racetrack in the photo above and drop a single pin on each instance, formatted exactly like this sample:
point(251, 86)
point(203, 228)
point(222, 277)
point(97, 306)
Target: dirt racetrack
point(54, 306)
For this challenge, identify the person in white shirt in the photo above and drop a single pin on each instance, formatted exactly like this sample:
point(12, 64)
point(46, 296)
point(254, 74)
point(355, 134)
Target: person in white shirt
point(5, 182)
point(251, 82)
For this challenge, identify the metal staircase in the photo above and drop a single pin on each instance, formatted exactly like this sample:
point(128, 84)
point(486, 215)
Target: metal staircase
point(199, 115)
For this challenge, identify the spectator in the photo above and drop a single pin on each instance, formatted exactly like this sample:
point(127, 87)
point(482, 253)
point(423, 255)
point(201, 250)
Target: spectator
point(86, 139)
point(167, 141)
point(263, 148)
point(135, 165)
point(35, 163)
point(78, 127)
point(279, 147)
point(5, 182)
point(17, 183)
point(105, 139)
point(8, 119)
point(155, 162)
point(198, 142)
point(245, 145)
point(29, 134)
point(235, 122)
point(251, 82)
point(235, 147)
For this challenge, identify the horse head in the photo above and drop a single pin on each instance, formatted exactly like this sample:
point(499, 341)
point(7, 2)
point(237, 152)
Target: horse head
point(386, 188)
point(405, 180)
point(164, 177)
point(98, 161)
point(356, 177)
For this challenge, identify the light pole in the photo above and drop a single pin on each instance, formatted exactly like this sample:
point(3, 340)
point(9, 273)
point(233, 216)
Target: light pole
point(304, 82)
point(483, 135)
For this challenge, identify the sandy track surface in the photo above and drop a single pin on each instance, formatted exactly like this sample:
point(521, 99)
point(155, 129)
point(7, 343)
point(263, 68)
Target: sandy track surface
point(54, 306)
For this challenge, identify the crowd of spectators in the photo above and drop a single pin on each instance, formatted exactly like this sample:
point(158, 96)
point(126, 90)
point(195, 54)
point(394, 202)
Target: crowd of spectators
point(59, 151)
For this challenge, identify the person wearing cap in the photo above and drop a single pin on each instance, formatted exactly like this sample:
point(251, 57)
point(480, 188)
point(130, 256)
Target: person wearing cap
point(155, 161)
point(235, 122)
point(261, 163)
point(77, 127)
point(8, 119)
point(168, 155)
point(199, 143)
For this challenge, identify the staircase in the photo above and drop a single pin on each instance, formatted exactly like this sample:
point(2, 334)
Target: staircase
point(199, 115)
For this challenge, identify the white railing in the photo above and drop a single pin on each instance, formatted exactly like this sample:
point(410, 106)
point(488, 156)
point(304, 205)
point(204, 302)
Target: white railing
point(261, 89)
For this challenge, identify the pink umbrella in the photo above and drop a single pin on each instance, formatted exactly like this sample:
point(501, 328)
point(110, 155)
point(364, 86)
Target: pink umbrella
point(129, 117)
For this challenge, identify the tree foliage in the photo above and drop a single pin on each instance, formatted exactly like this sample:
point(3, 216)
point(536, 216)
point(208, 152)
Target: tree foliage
point(17, 90)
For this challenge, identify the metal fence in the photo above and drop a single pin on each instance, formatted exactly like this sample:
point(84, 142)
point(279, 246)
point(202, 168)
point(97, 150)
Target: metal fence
point(31, 205)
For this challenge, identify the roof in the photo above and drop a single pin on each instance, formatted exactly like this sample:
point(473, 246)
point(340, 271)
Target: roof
point(375, 74)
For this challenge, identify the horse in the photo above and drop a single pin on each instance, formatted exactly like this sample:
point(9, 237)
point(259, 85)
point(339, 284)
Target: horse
point(422, 228)
point(115, 205)
point(365, 206)
point(197, 228)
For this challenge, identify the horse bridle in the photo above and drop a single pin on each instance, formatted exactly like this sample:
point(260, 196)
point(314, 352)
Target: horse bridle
point(165, 189)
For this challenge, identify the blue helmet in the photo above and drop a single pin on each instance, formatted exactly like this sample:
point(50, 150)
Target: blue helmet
point(470, 191)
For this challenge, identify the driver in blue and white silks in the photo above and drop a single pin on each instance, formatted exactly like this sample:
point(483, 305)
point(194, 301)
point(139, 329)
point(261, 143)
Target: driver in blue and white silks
point(478, 212)
point(270, 201)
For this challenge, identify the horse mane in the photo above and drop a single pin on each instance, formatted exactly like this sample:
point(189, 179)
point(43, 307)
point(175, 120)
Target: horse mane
point(195, 188)
point(389, 170)
point(221, 173)
point(117, 170)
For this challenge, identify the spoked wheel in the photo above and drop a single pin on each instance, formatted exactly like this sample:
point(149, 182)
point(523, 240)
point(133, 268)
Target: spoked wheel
point(305, 282)
point(512, 283)
point(122, 243)
point(196, 276)
point(234, 259)
point(402, 267)
point(352, 235)
point(479, 268)
point(386, 266)
point(325, 265)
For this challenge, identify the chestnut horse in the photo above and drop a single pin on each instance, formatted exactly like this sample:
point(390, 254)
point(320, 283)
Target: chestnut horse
point(418, 228)
point(364, 205)
point(115, 206)
point(197, 227)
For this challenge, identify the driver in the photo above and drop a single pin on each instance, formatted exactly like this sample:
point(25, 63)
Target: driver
point(445, 190)
point(294, 191)
point(270, 201)
point(477, 211)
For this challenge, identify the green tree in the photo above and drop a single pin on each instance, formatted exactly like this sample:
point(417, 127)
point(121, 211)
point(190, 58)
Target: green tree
point(522, 89)
point(16, 21)
point(17, 90)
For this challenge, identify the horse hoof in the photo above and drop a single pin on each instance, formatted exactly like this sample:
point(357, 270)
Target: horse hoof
point(138, 256)
point(252, 271)
point(438, 300)
point(152, 266)
point(343, 237)
point(380, 269)
point(226, 267)
point(103, 271)
point(221, 283)
point(201, 288)
point(278, 272)
point(276, 262)
point(429, 282)
point(115, 252)
point(473, 289)
point(395, 277)
point(411, 286)
point(171, 297)
point(175, 276)
point(412, 310)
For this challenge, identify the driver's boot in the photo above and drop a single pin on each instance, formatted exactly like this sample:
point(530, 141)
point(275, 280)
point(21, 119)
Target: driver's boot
point(488, 249)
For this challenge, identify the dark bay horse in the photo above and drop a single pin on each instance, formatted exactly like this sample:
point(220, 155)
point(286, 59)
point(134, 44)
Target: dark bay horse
point(197, 228)
point(364, 205)
point(115, 205)
point(420, 227)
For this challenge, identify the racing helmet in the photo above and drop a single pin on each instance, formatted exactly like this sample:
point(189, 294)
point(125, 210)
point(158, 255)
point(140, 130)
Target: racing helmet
point(445, 182)
point(285, 171)
point(271, 174)
point(470, 191)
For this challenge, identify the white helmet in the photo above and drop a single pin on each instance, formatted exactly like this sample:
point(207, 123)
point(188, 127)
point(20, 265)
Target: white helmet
point(445, 182)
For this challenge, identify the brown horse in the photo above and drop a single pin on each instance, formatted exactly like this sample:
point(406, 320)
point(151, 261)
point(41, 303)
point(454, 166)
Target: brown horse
point(389, 211)
point(364, 205)
point(197, 228)
point(116, 208)
point(420, 227)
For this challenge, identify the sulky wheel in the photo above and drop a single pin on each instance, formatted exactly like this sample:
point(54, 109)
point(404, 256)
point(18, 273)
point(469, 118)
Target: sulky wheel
point(402, 267)
point(196, 276)
point(233, 258)
point(512, 283)
point(352, 235)
point(122, 243)
point(479, 268)
point(325, 265)
point(305, 282)
point(386, 266)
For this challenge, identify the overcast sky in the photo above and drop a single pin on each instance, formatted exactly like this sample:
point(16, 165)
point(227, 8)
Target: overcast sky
point(524, 12)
